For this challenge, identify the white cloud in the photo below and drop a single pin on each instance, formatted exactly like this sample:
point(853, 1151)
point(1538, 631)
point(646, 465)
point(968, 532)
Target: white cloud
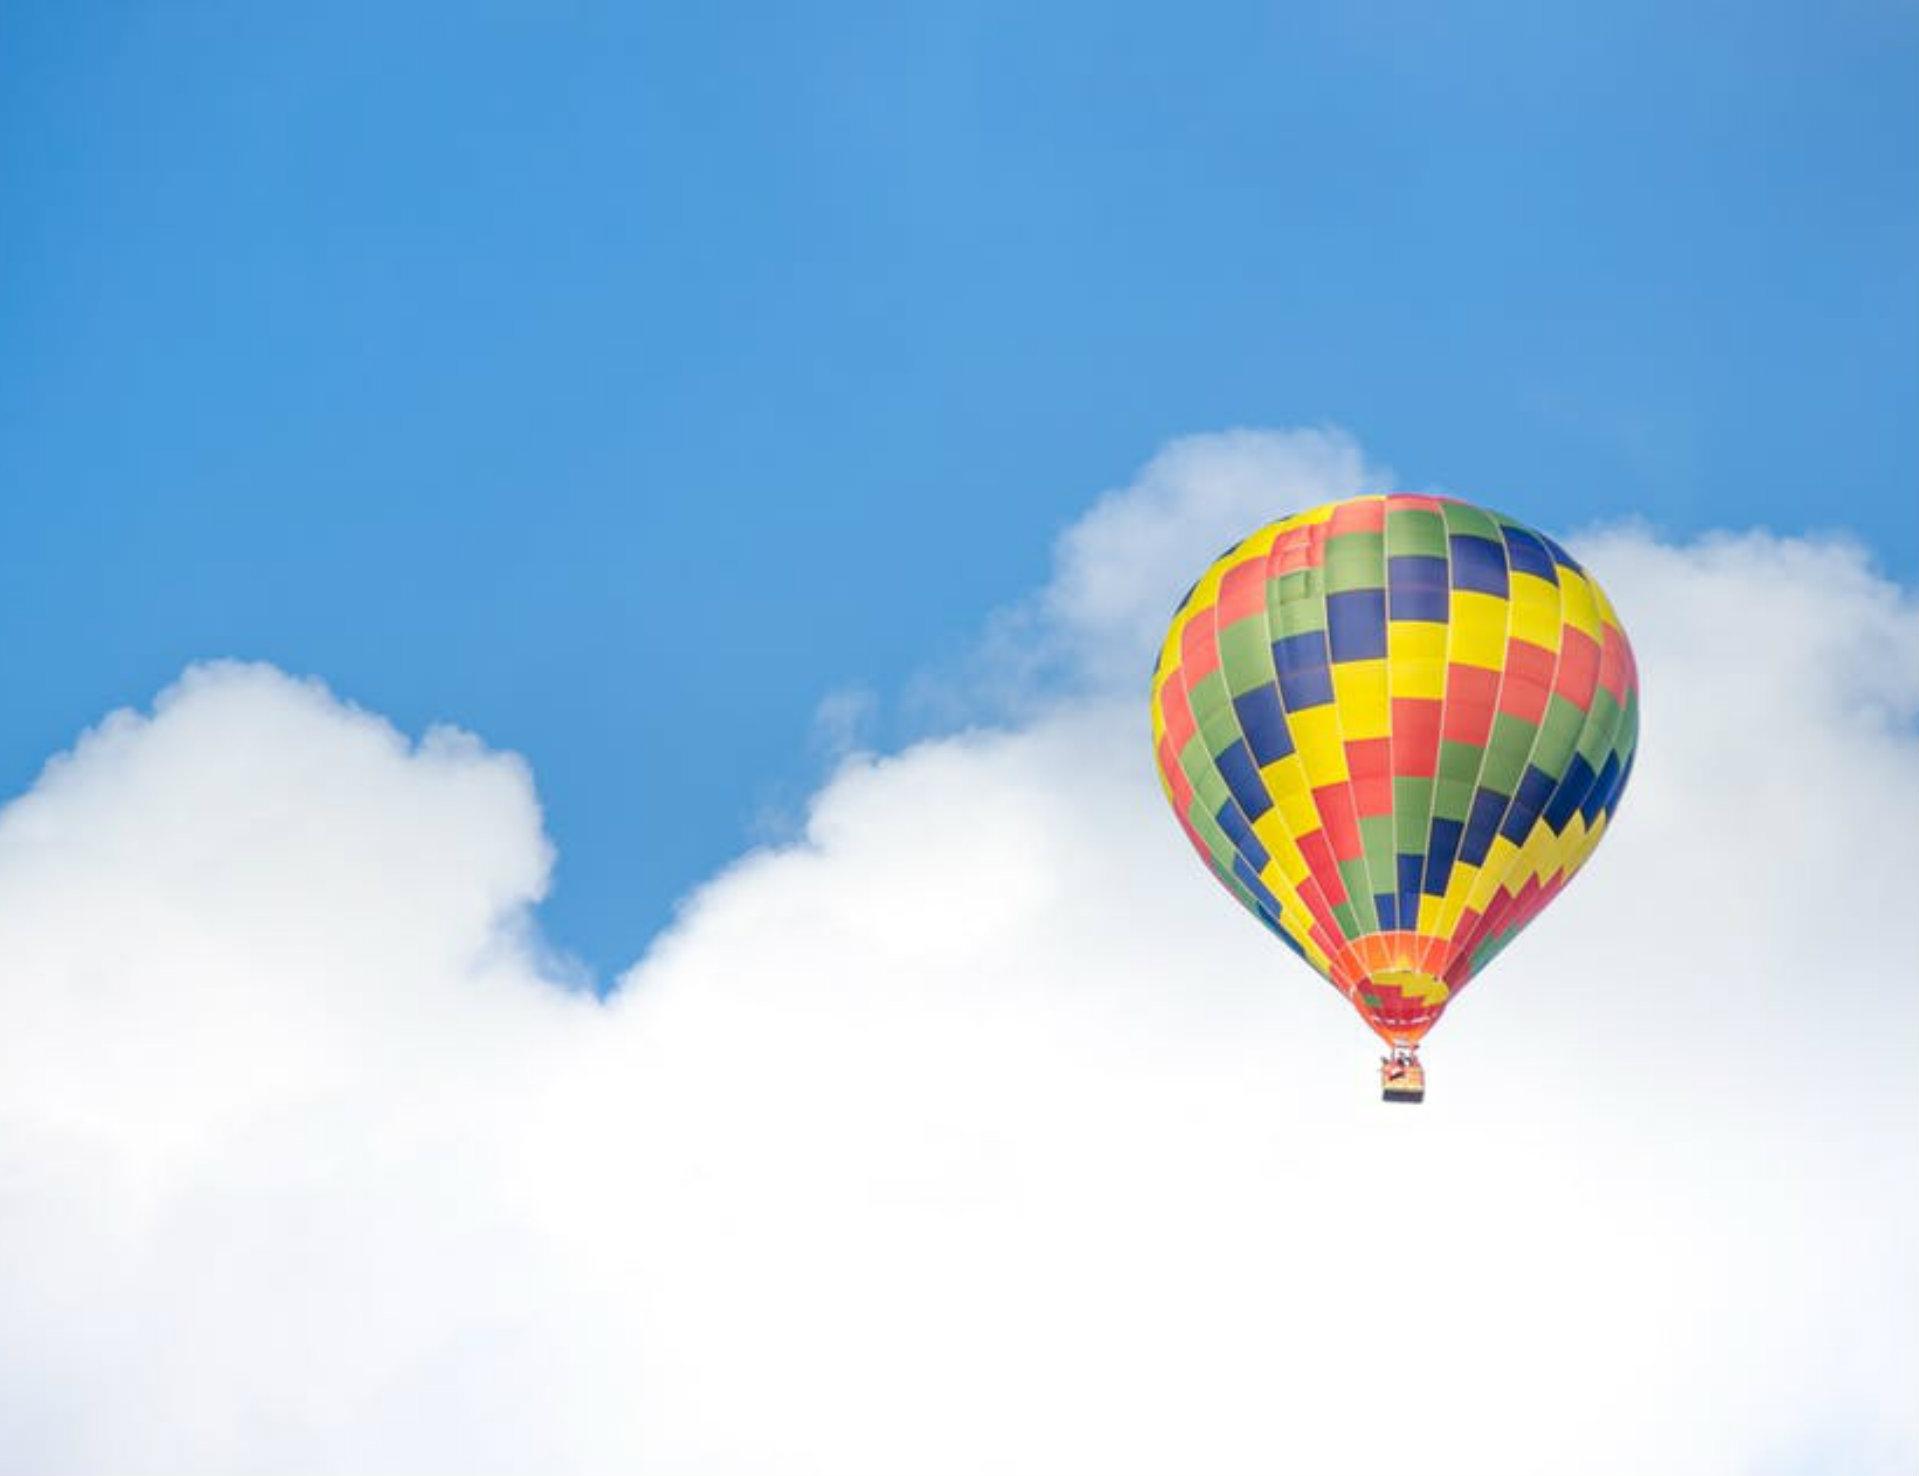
point(976, 1131)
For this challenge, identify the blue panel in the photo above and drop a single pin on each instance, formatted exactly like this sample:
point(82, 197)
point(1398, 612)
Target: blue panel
point(1236, 767)
point(1478, 563)
point(1560, 556)
point(1535, 788)
point(1410, 869)
point(1439, 855)
point(1482, 824)
point(1528, 555)
point(1249, 878)
point(1572, 789)
point(1386, 904)
point(1304, 678)
point(1601, 792)
point(1356, 624)
point(1416, 587)
point(1612, 783)
point(1421, 604)
point(1241, 835)
point(1264, 725)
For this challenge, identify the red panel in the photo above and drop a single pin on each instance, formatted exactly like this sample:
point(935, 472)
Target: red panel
point(1529, 678)
point(1578, 667)
point(1180, 725)
point(1470, 694)
point(1614, 662)
point(1416, 736)
point(1371, 763)
point(1468, 928)
point(1242, 592)
point(1293, 550)
point(1413, 502)
point(1176, 779)
point(1361, 515)
point(1198, 651)
point(1317, 851)
point(1336, 814)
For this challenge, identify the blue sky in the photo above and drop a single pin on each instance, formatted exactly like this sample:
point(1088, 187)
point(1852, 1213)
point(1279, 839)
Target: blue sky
point(620, 384)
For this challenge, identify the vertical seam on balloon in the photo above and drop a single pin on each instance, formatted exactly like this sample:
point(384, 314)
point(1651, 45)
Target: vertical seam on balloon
point(1211, 615)
point(1479, 929)
point(1445, 693)
point(1486, 745)
point(1219, 655)
point(1589, 726)
point(1266, 620)
point(1392, 743)
point(1346, 762)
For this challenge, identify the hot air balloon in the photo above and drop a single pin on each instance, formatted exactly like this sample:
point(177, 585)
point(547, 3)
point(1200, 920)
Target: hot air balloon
point(1394, 727)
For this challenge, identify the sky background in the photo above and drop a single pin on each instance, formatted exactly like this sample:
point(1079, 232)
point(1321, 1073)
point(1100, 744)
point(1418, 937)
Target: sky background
point(623, 382)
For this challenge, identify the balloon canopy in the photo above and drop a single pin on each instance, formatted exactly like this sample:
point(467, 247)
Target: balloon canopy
point(1394, 727)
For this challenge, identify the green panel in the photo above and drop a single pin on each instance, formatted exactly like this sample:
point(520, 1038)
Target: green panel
point(1218, 843)
point(1245, 655)
point(1453, 800)
point(1348, 920)
point(1557, 735)
point(1412, 808)
point(1506, 751)
point(1297, 584)
point(1459, 761)
point(1296, 603)
point(1298, 617)
point(1462, 519)
point(1414, 530)
point(1210, 790)
point(1628, 735)
point(1355, 561)
point(1376, 838)
point(1213, 711)
point(1359, 888)
point(1595, 739)
point(1220, 730)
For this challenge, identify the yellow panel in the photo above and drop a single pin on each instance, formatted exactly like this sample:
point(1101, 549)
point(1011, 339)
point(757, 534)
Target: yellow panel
point(1416, 658)
point(1565, 845)
point(1587, 846)
point(1277, 837)
point(1418, 679)
point(1284, 776)
point(1301, 812)
point(1459, 883)
point(1316, 734)
point(1577, 605)
point(1169, 649)
point(1422, 987)
point(1415, 640)
point(1478, 629)
point(1359, 689)
point(1492, 875)
point(1535, 611)
point(1600, 602)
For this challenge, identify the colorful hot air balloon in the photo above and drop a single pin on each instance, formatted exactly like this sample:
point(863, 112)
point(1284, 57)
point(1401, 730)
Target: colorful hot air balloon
point(1394, 727)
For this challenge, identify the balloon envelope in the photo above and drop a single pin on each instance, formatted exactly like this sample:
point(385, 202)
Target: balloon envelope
point(1394, 727)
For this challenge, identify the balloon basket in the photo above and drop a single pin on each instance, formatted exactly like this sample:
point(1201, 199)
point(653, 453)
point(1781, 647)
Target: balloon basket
point(1402, 1079)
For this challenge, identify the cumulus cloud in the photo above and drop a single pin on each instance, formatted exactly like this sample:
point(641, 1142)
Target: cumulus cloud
point(973, 1130)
